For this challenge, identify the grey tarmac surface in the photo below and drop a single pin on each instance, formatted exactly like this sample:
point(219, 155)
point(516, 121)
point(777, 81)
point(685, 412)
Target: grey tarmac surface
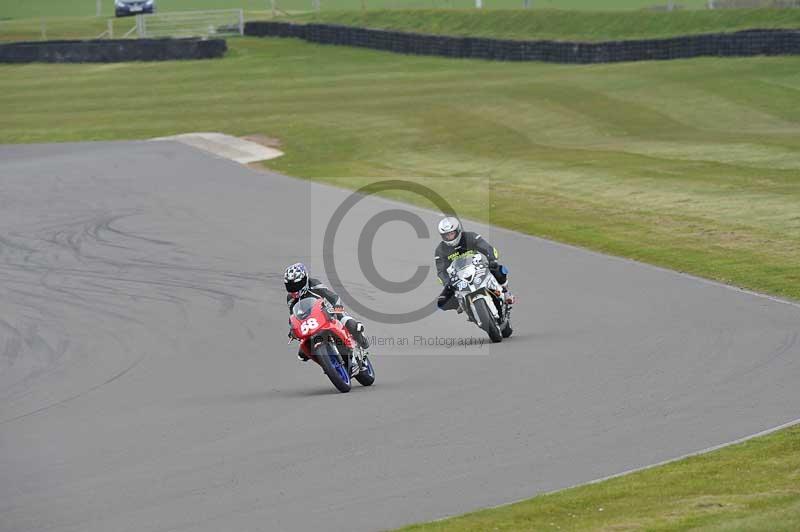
point(146, 384)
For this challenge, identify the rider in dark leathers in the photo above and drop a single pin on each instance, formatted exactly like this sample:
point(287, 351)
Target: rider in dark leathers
point(458, 243)
point(300, 285)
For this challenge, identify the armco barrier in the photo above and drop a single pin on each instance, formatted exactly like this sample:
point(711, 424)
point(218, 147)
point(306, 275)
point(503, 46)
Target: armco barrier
point(742, 43)
point(111, 51)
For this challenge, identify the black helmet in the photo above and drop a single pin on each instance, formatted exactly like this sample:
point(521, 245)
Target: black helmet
point(296, 279)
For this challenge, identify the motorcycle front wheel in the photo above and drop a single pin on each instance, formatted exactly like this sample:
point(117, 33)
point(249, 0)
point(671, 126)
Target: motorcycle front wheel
point(488, 322)
point(329, 359)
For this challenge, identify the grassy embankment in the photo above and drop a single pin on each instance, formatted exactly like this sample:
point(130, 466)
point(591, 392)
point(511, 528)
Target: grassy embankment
point(693, 165)
point(560, 24)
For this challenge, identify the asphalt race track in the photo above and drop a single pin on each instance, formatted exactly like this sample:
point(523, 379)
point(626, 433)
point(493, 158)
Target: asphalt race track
point(146, 384)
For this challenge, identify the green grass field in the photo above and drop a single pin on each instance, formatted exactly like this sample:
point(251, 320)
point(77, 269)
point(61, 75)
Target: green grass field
point(692, 165)
point(561, 24)
point(59, 28)
point(14, 9)
point(62, 8)
point(501, 23)
point(507, 24)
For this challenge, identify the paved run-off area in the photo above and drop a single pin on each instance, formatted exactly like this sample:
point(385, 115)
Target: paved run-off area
point(145, 383)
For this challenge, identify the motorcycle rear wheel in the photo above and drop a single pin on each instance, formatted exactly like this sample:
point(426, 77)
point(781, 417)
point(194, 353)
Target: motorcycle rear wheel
point(367, 375)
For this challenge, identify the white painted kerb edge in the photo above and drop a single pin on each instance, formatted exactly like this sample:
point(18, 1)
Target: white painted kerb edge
point(226, 146)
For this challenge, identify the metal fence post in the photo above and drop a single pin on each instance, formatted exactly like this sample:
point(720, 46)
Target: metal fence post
point(111, 28)
point(140, 29)
point(241, 22)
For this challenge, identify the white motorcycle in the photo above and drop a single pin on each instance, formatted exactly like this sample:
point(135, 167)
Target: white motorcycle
point(481, 296)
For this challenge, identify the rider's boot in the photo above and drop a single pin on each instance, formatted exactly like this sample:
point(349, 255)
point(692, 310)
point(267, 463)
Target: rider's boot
point(301, 356)
point(356, 329)
point(361, 338)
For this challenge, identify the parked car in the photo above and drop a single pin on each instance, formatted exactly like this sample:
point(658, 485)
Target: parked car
point(126, 8)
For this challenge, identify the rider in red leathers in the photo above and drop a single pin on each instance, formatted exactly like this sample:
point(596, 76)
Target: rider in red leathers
point(300, 285)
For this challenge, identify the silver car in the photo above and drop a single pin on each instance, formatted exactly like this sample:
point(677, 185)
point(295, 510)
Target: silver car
point(126, 8)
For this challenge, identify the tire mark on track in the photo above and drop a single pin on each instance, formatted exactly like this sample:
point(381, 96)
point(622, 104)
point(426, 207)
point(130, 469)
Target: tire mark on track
point(785, 346)
point(105, 269)
point(76, 396)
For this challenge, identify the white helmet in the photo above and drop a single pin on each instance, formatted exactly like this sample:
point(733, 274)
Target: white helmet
point(450, 231)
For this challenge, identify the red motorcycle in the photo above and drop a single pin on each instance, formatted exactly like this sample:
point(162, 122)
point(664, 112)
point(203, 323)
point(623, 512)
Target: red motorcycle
point(328, 343)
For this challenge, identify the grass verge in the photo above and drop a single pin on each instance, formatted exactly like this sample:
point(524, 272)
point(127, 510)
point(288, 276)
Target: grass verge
point(75, 27)
point(753, 486)
point(561, 25)
point(57, 28)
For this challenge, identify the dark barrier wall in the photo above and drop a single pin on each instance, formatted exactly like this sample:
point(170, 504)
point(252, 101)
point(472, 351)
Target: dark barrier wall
point(742, 43)
point(111, 51)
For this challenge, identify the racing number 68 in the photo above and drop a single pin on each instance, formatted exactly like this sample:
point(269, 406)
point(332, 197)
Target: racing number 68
point(309, 325)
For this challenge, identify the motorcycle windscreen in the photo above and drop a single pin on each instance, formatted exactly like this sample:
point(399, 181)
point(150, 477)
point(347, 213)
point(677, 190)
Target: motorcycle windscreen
point(465, 267)
point(303, 308)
